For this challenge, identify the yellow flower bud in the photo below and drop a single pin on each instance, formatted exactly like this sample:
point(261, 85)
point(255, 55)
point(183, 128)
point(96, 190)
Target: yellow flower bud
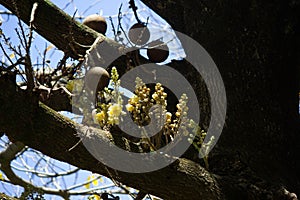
point(100, 116)
point(155, 96)
point(135, 99)
point(114, 111)
point(129, 107)
point(168, 117)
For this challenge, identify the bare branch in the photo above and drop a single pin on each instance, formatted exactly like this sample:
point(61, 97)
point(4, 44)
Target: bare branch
point(28, 64)
point(134, 8)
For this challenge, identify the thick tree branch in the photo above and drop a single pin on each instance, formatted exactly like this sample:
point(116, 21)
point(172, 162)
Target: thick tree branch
point(58, 28)
point(57, 99)
point(54, 135)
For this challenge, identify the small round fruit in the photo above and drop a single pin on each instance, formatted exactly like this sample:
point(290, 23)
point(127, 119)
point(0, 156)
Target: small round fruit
point(139, 34)
point(157, 51)
point(96, 22)
point(96, 79)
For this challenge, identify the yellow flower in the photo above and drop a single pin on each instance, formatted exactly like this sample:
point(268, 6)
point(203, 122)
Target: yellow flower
point(100, 116)
point(177, 114)
point(134, 99)
point(179, 106)
point(94, 197)
point(114, 111)
point(114, 75)
point(1, 176)
point(168, 117)
point(155, 96)
point(129, 107)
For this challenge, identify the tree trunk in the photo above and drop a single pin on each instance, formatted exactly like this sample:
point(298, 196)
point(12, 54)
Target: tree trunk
point(256, 48)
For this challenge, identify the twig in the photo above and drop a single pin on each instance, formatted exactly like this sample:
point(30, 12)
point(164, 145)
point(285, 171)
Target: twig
point(12, 48)
point(120, 26)
point(72, 40)
point(5, 54)
point(5, 12)
point(44, 174)
point(28, 64)
point(19, 22)
point(13, 65)
point(20, 38)
point(113, 27)
point(61, 63)
point(67, 4)
point(134, 9)
point(19, 61)
point(75, 145)
point(44, 58)
point(119, 17)
point(91, 6)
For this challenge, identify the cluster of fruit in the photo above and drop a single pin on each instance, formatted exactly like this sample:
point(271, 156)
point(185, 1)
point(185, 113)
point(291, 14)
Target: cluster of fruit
point(138, 34)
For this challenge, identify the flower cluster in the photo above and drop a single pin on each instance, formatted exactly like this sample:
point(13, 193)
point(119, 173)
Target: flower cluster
point(114, 112)
point(159, 98)
point(176, 123)
point(140, 104)
point(160, 113)
point(107, 114)
point(144, 105)
point(114, 75)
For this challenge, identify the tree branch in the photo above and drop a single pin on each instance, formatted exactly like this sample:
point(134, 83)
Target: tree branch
point(57, 99)
point(54, 135)
point(58, 28)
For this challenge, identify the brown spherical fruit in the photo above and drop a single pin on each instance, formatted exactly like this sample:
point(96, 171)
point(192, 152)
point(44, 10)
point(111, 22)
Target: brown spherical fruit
point(157, 51)
point(96, 22)
point(139, 34)
point(96, 79)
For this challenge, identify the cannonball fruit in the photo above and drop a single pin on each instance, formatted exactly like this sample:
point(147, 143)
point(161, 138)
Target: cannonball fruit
point(157, 51)
point(139, 34)
point(96, 22)
point(96, 79)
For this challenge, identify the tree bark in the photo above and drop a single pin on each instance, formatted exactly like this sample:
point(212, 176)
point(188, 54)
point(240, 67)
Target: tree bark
point(256, 48)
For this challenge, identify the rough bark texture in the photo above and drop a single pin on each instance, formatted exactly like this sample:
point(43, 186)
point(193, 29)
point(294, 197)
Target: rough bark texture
point(256, 47)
